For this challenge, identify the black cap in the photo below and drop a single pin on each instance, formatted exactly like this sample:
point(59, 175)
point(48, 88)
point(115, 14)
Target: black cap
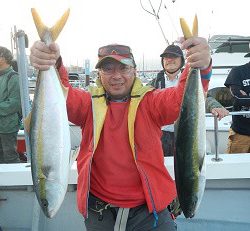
point(174, 50)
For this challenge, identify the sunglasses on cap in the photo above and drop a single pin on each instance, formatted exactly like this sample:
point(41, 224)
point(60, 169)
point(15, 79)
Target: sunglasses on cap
point(114, 50)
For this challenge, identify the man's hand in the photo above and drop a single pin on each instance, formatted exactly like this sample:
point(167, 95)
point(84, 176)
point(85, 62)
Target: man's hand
point(220, 112)
point(43, 56)
point(198, 52)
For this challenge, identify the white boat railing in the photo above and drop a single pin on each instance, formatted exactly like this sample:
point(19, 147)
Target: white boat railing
point(216, 140)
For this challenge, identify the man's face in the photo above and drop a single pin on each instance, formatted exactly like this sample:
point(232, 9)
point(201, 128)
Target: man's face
point(117, 78)
point(3, 63)
point(172, 63)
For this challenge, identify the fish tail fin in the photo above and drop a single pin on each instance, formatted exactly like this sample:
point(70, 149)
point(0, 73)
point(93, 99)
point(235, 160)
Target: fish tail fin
point(55, 30)
point(185, 29)
point(195, 26)
point(41, 28)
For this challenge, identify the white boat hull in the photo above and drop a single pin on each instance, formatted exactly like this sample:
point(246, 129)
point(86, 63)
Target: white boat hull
point(225, 205)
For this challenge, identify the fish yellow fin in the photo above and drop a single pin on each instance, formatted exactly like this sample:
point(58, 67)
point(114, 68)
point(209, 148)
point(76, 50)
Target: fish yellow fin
point(41, 28)
point(55, 30)
point(73, 155)
point(65, 91)
point(195, 26)
point(26, 122)
point(185, 29)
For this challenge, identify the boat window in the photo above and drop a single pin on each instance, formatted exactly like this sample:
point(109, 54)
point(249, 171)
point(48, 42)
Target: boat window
point(230, 47)
point(229, 44)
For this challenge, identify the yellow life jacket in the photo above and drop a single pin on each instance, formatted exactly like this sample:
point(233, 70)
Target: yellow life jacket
point(99, 107)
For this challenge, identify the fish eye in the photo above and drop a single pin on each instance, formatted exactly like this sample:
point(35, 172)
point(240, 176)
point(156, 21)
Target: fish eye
point(45, 203)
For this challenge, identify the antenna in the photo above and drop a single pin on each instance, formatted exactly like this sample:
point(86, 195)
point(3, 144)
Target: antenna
point(171, 19)
point(156, 15)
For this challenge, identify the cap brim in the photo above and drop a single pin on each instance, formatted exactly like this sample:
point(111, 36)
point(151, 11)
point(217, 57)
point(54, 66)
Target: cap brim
point(172, 53)
point(119, 58)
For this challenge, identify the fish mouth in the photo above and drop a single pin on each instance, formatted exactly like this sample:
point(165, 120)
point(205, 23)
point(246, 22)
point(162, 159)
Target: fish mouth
point(189, 209)
point(50, 213)
point(45, 208)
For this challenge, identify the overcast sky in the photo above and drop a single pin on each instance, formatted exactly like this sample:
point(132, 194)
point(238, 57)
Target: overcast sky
point(94, 23)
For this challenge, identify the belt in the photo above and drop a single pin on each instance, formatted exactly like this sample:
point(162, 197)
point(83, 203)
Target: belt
point(98, 205)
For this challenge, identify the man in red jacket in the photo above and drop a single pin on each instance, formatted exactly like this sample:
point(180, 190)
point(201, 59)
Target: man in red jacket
point(122, 181)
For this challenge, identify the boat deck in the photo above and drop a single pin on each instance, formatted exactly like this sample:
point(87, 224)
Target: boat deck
point(225, 204)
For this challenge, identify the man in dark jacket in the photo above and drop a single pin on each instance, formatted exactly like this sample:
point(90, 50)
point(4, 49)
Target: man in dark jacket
point(10, 107)
point(238, 81)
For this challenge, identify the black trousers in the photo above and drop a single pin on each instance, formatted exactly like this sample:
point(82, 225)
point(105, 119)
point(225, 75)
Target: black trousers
point(168, 143)
point(8, 153)
point(138, 219)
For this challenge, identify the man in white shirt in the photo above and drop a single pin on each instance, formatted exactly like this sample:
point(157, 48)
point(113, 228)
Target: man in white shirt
point(172, 60)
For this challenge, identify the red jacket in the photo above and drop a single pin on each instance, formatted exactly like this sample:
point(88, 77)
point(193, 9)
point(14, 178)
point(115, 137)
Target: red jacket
point(156, 108)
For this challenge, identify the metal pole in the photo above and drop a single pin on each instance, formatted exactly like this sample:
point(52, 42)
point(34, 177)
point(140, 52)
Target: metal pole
point(165, 38)
point(216, 140)
point(23, 81)
point(11, 42)
point(87, 72)
point(234, 113)
point(157, 18)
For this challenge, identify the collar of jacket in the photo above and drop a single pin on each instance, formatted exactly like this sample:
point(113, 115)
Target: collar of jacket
point(99, 108)
point(3, 72)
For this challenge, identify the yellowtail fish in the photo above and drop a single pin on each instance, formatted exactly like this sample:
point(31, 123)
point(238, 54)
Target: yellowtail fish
point(190, 137)
point(49, 130)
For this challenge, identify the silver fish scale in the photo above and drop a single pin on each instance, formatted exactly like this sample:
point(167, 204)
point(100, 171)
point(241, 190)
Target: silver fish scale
point(50, 142)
